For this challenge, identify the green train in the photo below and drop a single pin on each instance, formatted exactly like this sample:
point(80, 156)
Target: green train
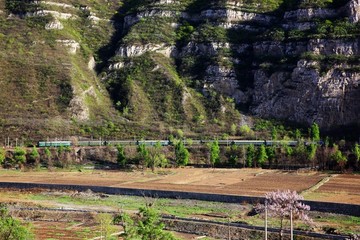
point(92, 143)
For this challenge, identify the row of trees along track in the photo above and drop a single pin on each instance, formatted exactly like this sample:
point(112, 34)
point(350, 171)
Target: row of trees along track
point(220, 153)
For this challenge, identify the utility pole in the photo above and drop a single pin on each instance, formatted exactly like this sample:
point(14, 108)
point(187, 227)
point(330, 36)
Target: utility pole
point(229, 235)
point(266, 226)
point(291, 226)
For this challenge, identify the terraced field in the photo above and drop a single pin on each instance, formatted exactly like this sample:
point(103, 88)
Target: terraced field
point(248, 182)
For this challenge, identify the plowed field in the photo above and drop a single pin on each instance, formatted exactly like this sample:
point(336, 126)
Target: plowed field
point(248, 182)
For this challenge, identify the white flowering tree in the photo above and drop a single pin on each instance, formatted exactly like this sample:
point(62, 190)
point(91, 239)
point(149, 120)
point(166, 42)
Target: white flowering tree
point(284, 205)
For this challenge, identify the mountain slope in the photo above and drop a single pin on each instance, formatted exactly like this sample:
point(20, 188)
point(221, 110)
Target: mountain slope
point(144, 68)
point(276, 59)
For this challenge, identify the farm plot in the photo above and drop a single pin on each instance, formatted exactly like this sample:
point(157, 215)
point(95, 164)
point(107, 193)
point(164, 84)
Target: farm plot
point(247, 182)
point(339, 188)
point(64, 230)
point(250, 182)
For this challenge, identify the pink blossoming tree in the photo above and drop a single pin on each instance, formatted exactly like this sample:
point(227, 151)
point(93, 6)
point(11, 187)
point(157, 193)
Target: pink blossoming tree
point(284, 205)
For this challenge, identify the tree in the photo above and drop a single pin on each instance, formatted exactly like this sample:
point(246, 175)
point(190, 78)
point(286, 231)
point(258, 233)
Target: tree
point(299, 153)
point(143, 154)
point(271, 153)
point(338, 157)
point(106, 225)
point(250, 155)
point(11, 228)
point(274, 134)
point(34, 155)
point(64, 156)
point(233, 129)
point(48, 157)
point(146, 226)
point(214, 153)
point(20, 156)
point(261, 156)
point(232, 152)
point(356, 152)
point(121, 158)
point(315, 132)
point(155, 157)
point(297, 135)
point(181, 154)
point(285, 204)
point(312, 152)
point(2, 155)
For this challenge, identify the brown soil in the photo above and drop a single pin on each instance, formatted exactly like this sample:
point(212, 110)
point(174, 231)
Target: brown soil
point(340, 188)
point(63, 230)
point(248, 182)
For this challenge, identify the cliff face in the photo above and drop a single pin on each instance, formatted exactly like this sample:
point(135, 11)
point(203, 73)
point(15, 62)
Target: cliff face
point(168, 64)
point(298, 63)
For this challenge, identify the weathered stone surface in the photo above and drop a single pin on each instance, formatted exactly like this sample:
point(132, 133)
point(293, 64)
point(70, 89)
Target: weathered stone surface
point(91, 63)
point(354, 11)
point(334, 46)
point(72, 45)
point(132, 19)
point(309, 14)
point(78, 108)
point(63, 5)
point(55, 14)
point(137, 50)
point(56, 24)
point(230, 15)
point(224, 80)
point(306, 96)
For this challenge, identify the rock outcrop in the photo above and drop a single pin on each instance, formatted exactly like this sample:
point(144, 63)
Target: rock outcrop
point(312, 76)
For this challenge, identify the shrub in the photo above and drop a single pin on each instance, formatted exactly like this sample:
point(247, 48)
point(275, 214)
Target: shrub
point(121, 158)
point(146, 225)
point(11, 228)
point(2, 155)
point(20, 155)
point(34, 155)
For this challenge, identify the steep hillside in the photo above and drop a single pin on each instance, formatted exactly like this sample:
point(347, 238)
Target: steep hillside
point(141, 68)
point(296, 61)
point(46, 64)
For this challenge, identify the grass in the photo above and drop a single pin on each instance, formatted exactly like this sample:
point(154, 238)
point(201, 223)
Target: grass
point(185, 208)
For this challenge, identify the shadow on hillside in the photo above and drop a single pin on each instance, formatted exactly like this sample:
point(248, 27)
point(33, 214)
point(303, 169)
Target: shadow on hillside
point(108, 51)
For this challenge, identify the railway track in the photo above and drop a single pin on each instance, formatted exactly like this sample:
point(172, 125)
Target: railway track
point(86, 143)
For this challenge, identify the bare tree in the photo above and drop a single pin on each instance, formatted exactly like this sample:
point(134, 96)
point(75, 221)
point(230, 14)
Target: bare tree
point(285, 205)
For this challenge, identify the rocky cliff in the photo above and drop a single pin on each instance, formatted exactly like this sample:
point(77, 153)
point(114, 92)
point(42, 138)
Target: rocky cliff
point(297, 62)
point(193, 63)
